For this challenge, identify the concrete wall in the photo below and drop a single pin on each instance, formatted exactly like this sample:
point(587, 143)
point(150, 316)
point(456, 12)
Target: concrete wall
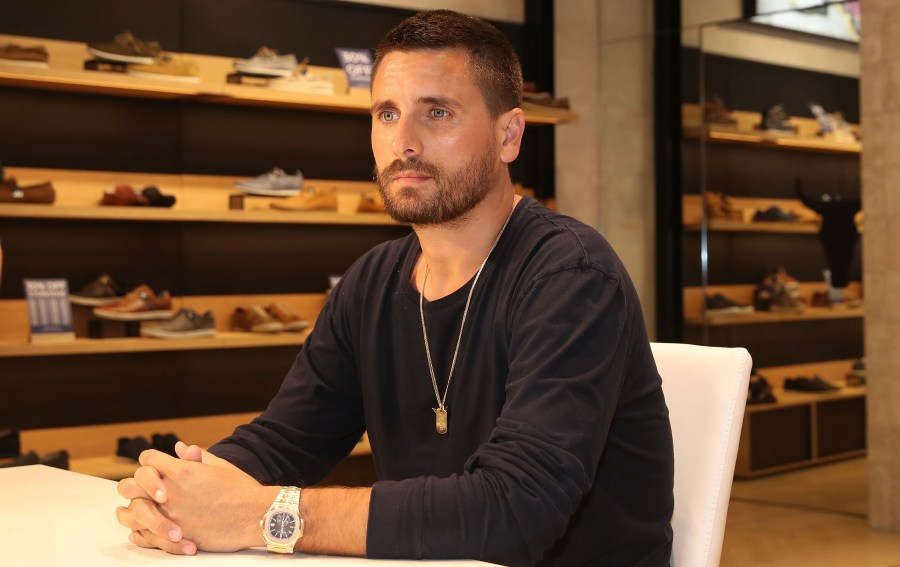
point(880, 81)
point(604, 162)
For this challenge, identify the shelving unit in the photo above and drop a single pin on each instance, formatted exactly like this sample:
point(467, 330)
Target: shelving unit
point(191, 140)
point(66, 73)
point(799, 429)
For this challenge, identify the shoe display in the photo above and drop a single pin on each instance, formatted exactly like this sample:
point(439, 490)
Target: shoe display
point(778, 292)
point(806, 384)
point(29, 458)
point(167, 68)
point(57, 459)
point(370, 202)
point(138, 304)
point(760, 391)
point(832, 126)
point(304, 81)
point(31, 56)
point(165, 443)
point(718, 304)
point(255, 319)
point(276, 183)
point(39, 193)
point(309, 200)
point(716, 112)
point(719, 206)
point(775, 214)
point(125, 48)
point(123, 196)
point(10, 443)
point(289, 320)
point(132, 447)
point(857, 374)
point(101, 291)
point(268, 63)
point(776, 118)
point(155, 198)
point(185, 324)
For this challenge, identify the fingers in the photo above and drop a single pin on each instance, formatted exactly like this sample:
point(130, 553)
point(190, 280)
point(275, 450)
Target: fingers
point(186, 453)
point(146, 538)
point(142, 514)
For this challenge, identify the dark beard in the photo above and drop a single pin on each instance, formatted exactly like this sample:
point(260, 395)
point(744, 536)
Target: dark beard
point(454, 195)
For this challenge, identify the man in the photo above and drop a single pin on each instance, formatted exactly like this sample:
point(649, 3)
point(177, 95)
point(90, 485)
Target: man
point(497, 358)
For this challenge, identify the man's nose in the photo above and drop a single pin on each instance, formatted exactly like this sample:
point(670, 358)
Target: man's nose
point(407, 141)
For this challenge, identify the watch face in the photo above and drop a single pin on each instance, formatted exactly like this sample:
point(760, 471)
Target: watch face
point(282, 525)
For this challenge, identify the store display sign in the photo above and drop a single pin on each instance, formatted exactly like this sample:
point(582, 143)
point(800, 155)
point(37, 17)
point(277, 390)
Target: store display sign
point(357, 64)
point(49, 310)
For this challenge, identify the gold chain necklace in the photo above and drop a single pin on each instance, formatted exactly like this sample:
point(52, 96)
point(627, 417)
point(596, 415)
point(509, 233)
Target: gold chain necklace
point(440, 412)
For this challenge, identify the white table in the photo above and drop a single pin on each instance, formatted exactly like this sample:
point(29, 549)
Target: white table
point(54, 517)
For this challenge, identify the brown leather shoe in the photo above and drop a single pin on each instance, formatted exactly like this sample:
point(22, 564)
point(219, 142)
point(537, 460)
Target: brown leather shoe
point(123, 196)
point(370, 202)
point(308, 200)
point(139, 304)
point(254, 319)
point(40, 193)
point(289, 320)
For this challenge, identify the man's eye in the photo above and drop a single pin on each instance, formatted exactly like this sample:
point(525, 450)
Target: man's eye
point(439, 113)
point(388, 116)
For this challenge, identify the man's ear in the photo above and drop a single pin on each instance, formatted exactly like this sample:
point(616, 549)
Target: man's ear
point(511, 128)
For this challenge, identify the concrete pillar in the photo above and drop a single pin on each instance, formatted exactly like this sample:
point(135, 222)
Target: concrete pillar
point(880, 83)
point(604, 163)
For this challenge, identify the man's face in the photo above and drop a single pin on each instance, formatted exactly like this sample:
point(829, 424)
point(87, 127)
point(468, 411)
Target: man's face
point(435, 147)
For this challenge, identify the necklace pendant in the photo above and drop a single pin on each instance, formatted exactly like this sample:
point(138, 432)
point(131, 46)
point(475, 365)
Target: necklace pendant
point(440, 420)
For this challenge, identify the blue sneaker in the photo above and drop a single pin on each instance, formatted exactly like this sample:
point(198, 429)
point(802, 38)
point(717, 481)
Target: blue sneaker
point(275, 183)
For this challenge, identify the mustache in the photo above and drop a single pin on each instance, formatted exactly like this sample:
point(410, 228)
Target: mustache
point(414, 164)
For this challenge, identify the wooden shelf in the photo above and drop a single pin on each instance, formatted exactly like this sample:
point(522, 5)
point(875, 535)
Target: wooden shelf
point(66, 73)
point(138, 344)
point(745, 133)
point(14, 328)
point(760, 317)
point(743, 293)
point(808, 221)
point(789, 398)
point(199, 198)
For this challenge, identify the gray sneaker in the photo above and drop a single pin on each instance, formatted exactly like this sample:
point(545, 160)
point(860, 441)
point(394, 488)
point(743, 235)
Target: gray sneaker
point(268, 63)
point(185, 324)
point(275, 183)
point(125, 48)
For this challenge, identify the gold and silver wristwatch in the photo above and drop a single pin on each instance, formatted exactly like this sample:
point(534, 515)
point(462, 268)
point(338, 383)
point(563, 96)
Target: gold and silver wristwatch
point(282, 525)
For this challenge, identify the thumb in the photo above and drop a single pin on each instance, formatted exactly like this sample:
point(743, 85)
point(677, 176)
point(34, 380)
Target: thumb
point(188, 453)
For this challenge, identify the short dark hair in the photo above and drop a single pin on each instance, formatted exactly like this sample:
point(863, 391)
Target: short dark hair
point(496, 65)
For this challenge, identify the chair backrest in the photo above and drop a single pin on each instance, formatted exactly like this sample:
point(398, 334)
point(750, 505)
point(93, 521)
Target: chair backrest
point(706, 391)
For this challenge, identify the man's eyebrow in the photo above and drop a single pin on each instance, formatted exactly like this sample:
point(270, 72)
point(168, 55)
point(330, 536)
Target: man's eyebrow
point(380, 105)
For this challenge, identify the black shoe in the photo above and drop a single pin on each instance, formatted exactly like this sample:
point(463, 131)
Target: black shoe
point(156, 199)
point(132, 447)
point(760, 391)
point(804, 384)
point(165, 443)
point(59, 460)
point(102, 291)
point(10, 444)
point(775, 214)
point(30, 458)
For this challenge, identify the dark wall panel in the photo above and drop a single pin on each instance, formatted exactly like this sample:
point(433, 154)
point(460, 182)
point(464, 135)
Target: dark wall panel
point(741, 257)
point(749, 85)
point(74, 131)
point(227, 140)
point(795, 342)
point(60, 391)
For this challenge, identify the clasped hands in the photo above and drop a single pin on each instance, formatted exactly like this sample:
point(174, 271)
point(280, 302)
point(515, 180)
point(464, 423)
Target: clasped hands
point(195, 502)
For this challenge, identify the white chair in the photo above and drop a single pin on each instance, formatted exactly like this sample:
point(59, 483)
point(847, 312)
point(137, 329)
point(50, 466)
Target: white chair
point(706, 391)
